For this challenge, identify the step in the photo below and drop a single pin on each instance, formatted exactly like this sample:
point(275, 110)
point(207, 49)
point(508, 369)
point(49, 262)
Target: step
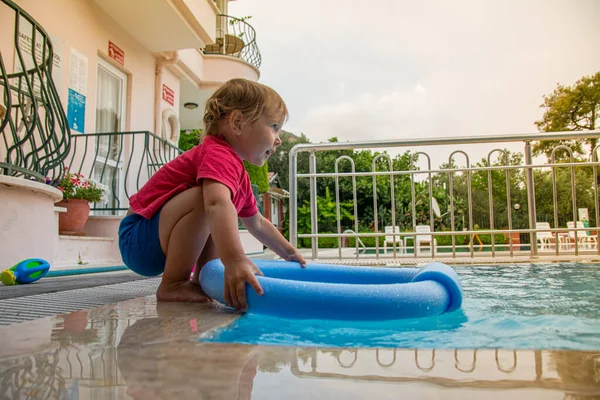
point(86, 250)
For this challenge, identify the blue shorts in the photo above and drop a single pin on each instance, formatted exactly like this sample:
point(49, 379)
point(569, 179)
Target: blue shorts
point(140, 246)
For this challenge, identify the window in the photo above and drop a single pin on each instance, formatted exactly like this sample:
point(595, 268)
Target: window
point(110, 118)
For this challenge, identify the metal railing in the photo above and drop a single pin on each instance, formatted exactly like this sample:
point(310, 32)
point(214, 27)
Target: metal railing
point(498, 224)
point(122, 161)
point(570, 371)
point(235, 38)
point(35, 136)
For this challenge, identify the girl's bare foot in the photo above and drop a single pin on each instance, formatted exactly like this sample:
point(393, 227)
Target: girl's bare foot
point(182, 292)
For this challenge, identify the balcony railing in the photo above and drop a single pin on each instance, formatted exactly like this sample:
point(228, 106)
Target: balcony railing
point(35, 136)
point(122, 161)
point(235, 38)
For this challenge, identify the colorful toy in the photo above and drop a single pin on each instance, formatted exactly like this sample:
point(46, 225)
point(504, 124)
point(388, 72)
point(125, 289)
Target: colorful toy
point(26, 271)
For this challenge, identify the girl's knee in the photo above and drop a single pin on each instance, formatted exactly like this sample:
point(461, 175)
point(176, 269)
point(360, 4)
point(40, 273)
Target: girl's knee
point(185, 202)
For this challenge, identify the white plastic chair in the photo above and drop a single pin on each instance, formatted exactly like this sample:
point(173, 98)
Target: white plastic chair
point(393, 239)
point(423, 239)
point(587, 242)
point(546, 240)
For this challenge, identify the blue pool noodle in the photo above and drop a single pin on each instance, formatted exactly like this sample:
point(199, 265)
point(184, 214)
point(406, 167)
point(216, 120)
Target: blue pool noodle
point(326, 291)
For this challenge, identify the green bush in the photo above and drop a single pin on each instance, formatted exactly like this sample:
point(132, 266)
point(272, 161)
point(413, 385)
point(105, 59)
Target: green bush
point(259, 176)
point(446, 240)
point(328, 243)
point(324, 243)
point(498, 239)
point(461, 239)
point(189, 138)
point(368, 241)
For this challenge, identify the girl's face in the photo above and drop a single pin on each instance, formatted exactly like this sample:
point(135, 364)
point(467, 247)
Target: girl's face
point(259, 140)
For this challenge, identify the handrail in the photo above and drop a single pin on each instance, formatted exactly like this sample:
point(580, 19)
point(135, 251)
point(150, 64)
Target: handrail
point(34, 134)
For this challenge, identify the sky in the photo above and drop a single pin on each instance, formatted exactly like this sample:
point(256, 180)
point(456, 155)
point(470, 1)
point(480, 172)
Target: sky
point(397, 69)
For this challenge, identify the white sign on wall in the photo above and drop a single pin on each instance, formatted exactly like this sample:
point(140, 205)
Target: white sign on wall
point(78, 74)
point(26, 45)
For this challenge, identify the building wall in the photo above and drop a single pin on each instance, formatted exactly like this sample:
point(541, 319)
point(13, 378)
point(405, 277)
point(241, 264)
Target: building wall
point(267, 207)
point(83, 26)
point(221, 68)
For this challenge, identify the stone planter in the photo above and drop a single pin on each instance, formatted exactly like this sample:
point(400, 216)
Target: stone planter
point(72, 222)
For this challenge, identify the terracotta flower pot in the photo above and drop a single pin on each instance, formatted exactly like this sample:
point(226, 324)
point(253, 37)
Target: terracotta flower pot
point(73, 221)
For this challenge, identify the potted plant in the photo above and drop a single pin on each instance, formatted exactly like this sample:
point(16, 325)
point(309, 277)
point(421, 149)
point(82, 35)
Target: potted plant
point(78, 193)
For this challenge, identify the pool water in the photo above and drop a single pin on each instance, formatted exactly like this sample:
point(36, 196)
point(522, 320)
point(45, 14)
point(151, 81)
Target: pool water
point(551, 306)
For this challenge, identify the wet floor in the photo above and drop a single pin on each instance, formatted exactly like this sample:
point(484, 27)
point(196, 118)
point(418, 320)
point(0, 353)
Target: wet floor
point(138, 349)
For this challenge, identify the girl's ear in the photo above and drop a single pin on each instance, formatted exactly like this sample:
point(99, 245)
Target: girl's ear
point(236, 122)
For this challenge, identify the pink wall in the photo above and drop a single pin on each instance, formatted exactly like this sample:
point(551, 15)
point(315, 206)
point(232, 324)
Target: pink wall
point(85, 27)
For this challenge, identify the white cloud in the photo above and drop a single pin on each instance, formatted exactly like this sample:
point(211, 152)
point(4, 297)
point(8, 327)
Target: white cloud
point(404, 68)
point(369, 115)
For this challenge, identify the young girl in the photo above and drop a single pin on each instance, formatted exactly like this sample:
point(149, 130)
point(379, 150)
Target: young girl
point(187, 212)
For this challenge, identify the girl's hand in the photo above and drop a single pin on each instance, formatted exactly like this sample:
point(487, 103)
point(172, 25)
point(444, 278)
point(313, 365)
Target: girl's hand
point(296, 256)
point(237, 273)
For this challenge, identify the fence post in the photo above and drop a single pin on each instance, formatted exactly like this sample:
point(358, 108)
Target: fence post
point(293, 209)
point(531, 200)
point(313, 204)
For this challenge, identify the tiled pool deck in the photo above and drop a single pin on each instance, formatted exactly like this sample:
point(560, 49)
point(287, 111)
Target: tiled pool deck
point(139, 349)
point(116, 342)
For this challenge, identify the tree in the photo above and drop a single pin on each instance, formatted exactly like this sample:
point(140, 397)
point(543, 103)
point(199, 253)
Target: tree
point(280, 161)
point(326, 216)
point(571, 108)
point(584, 190)
point(480, 184)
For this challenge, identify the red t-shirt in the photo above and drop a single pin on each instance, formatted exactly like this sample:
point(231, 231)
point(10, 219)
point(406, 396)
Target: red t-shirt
point(213, 159)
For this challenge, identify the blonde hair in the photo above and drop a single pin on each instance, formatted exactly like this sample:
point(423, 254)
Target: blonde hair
point(252, 99)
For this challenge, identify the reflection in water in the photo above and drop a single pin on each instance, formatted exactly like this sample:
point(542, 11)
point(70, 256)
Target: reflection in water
point(35, 377)
point(152, 353)
point(578, 373)
point(424, 369)
point(458, 366)
point(139, 350)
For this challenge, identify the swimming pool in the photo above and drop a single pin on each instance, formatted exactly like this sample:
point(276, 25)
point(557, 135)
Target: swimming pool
point(550, 306)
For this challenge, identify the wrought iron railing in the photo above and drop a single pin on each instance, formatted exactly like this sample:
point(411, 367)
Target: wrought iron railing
point(235, 38)
point(515, 180)
point(122, 161)
point(35, 136)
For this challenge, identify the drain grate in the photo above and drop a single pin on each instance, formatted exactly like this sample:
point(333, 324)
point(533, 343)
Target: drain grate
point(60, 284)
point(28, 308)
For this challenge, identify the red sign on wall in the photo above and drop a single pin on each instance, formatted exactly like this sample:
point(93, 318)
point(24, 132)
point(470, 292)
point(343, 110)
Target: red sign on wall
point(168, 95)
point(116, 53)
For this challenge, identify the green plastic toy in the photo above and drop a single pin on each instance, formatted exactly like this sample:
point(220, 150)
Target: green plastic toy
point(26, 271)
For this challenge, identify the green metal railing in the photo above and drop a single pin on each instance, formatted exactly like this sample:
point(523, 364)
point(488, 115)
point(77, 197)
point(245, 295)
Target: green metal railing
point(122, 161)
point(235, 38)
point(35, 136)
